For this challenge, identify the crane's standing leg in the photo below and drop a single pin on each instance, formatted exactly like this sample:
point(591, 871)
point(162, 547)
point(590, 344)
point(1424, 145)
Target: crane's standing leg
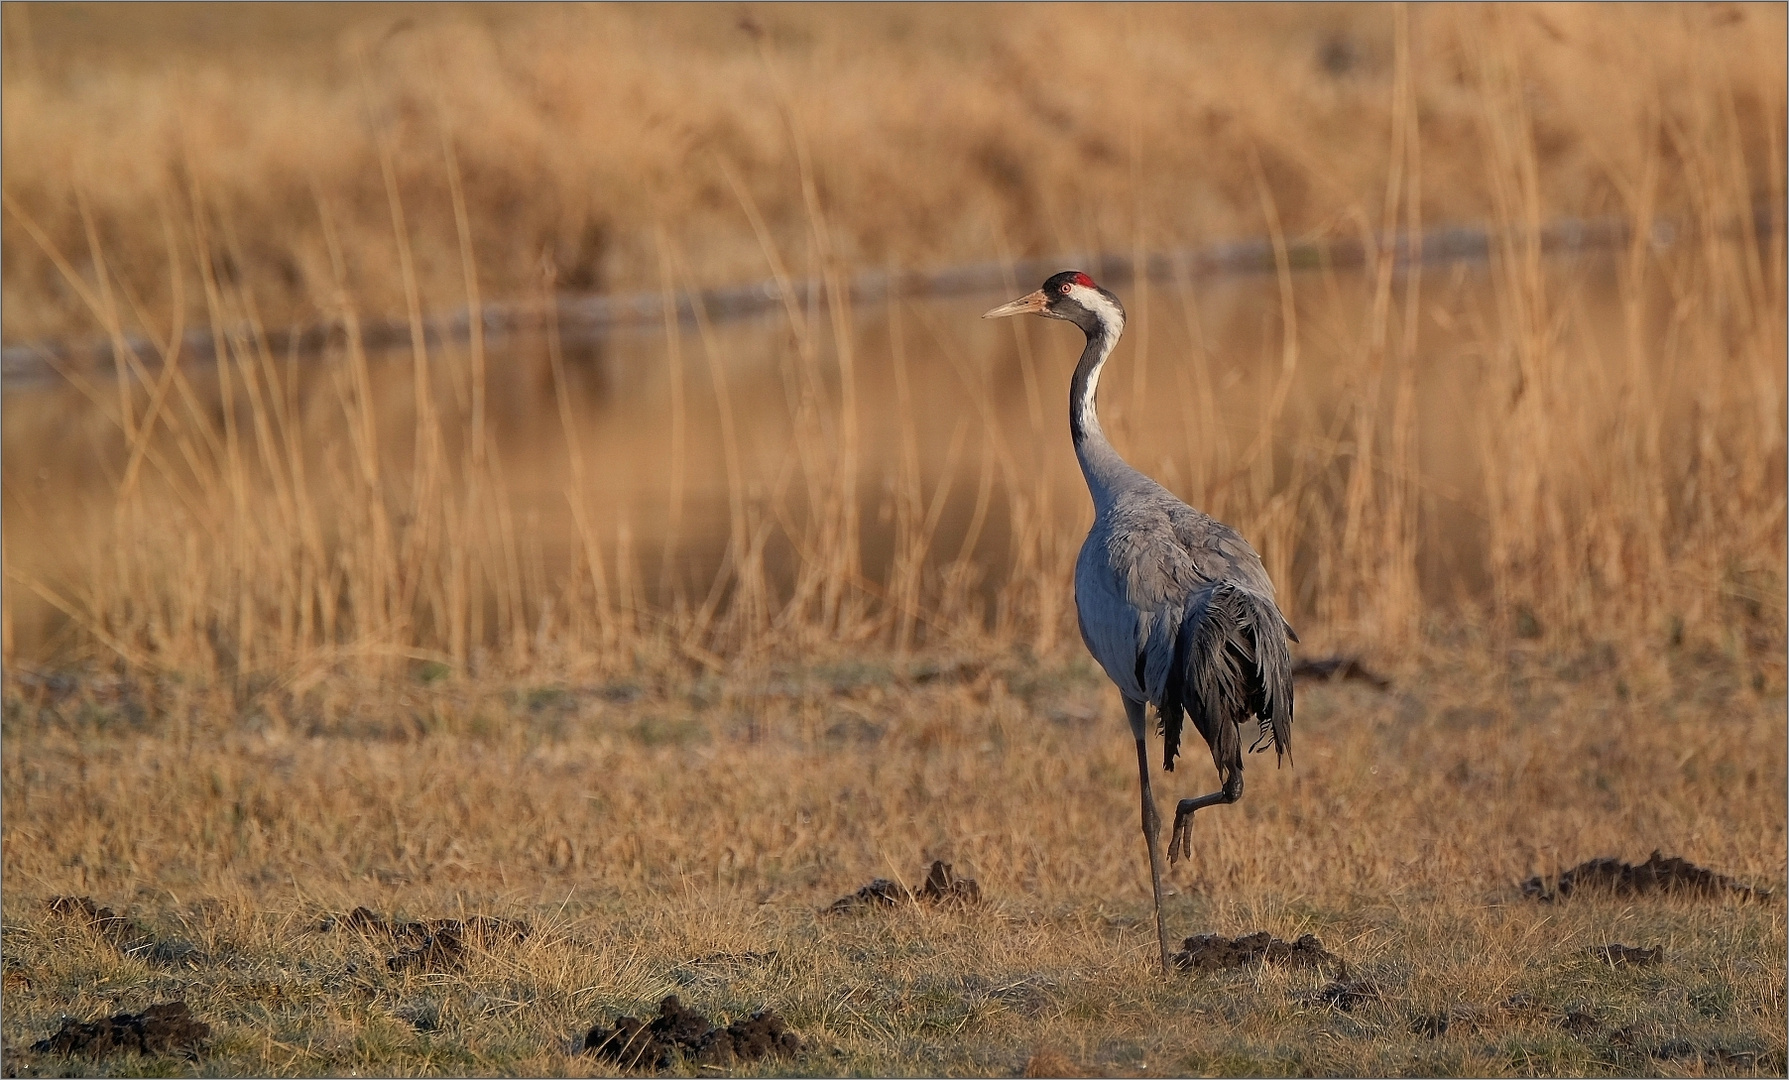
point(1152, 822)
point(1180, 845)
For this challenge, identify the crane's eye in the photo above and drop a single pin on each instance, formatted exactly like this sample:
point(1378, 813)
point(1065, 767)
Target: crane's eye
point(1064, 289)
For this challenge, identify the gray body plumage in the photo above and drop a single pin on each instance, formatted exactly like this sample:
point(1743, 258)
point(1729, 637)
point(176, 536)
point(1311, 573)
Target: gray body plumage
point(1174, 605)
point(1178, 610)
point(1179, 614)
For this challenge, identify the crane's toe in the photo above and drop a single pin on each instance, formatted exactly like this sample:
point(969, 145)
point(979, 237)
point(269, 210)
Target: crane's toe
point(1180, 844)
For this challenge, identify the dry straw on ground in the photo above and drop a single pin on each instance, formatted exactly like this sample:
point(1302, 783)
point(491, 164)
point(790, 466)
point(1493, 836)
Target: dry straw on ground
point(688, 838)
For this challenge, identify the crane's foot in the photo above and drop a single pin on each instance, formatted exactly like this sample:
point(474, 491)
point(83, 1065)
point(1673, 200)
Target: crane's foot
point(1180, 843)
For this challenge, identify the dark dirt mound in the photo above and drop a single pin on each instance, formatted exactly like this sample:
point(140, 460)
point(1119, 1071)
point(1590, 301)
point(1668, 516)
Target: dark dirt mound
point(1525, 1008)
point(1578, 1022)
point(159, 1029)
point(1347, 994)
point(1339, 667)
point(678, 1032)
point(1616, 955)
point(879, 893)
point(124, 934)
point(103, 920)
point(1460, 1019)
point(1656, 874)
point(1517, 1009)
point(942, 886)
point(1210, 951)
point(435, 945)
point(1521, 1006)
point(1719, 1057)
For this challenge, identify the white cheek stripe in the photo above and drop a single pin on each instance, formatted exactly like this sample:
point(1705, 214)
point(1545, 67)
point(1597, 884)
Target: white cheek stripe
point(1095, 301)
point(1113, 317)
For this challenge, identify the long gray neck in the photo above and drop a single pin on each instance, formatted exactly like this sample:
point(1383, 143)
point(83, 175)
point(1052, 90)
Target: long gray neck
point(1105, 471)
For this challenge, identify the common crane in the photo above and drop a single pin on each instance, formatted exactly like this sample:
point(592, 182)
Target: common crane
point(1174, 605)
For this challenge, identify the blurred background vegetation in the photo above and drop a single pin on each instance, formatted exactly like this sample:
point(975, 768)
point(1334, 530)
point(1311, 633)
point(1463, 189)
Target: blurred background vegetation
point(1586, 450)
point(931, 134)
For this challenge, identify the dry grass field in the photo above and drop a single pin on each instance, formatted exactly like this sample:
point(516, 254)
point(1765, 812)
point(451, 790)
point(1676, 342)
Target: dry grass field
point(661, 643)
point(683, 838)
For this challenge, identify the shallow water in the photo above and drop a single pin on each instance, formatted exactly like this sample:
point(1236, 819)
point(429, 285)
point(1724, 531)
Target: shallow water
point(920, 403)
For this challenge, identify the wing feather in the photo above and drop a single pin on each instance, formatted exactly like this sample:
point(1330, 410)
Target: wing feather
point(1179, 611)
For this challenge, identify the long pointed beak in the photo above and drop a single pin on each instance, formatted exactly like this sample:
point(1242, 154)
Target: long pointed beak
point(1024, 305)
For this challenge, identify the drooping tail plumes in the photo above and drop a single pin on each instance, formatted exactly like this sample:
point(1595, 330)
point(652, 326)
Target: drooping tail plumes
point(1231, 662)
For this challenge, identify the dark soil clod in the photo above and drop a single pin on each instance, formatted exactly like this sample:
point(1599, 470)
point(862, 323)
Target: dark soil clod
point(879, 893)
point(125, 934)
point(1578, 1022)
point(1525, 1008)
point(122, 933)
point(1719, 1057)
point(1210, 952)
point(435, 946)
point(1518, 1008)
point(678, 1032)
point(159, 1029)
point(1616, 955)
point(1656, 874)
point(942, 886)
point(1347, 994)
point(1458, 1019)
point(1339, 668)
point(103, 920)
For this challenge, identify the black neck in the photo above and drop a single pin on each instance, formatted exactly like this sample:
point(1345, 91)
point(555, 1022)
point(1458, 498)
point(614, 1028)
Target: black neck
point(1083, 416)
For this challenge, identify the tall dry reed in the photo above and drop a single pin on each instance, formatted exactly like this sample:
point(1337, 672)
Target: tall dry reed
point(267, 525)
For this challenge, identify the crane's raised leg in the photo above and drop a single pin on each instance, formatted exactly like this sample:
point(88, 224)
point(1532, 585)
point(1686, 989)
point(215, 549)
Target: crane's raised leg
point(1152, 822)
point(1180, 846)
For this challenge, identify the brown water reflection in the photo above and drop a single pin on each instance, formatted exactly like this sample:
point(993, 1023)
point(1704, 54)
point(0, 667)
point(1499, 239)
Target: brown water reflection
point(1244, 396)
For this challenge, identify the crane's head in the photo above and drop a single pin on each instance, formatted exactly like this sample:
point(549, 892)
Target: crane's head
point(1073, 296)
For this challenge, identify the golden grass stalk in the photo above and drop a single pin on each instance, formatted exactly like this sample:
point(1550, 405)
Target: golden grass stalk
point(1617, 484)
